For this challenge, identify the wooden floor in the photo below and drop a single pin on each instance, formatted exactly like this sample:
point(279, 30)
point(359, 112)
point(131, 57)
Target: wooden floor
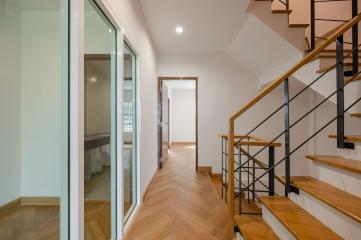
point(181, 204)
point(42, 222)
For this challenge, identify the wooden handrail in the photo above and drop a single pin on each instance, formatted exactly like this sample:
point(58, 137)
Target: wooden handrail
point(252, 141)
point(309, 57)
point(297, 66)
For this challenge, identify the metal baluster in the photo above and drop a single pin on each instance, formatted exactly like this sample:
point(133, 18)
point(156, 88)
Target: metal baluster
point(287, 138)
point(248, 172)
point(226, 171)
point(222, 180)
point(355, 66)
point(271, 175)
point(313, 26)
point(254, 180)
point(340, 92)
point(240, 182)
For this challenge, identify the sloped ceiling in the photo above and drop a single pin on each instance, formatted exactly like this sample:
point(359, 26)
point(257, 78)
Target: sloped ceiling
point(260, 49)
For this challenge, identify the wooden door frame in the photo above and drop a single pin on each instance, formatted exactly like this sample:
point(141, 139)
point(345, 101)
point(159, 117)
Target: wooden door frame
point(160, 79)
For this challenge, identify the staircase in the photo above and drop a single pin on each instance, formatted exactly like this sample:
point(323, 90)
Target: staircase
point(327, 203)
point(324, 62)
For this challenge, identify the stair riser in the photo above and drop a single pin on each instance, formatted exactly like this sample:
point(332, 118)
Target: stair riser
point(351, 153)
point(342, 179)
point(276, 225)
point(324, 62)
point(341, 224)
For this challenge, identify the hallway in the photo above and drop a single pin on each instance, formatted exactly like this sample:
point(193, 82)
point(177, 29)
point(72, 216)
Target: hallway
point(181, 204)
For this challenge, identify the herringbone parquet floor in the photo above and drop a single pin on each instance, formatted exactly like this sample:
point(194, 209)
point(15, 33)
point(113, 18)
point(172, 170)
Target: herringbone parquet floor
point(42, 222)
point(181, 204)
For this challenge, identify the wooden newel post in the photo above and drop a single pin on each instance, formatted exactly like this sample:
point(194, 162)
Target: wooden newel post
point(231, 168)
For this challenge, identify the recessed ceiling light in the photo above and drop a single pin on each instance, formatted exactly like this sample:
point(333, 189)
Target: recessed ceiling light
point(179, 29)
point(93, 79)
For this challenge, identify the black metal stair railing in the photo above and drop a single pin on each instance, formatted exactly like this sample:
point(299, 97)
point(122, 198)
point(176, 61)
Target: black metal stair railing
point(354, 42)
point(248, 166)
point(250, 171)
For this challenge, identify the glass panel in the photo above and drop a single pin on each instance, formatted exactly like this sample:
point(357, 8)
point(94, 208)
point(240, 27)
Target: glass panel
point(34, 119)
point(129, 131)
point(99, 125)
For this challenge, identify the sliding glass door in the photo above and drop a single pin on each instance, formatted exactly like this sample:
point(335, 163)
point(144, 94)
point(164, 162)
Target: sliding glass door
point(129, 132)
point(99, 125)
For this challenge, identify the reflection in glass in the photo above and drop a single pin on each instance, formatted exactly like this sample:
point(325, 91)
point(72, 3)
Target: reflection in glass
point(99, 139)
point(34, 119)
point(129, 131)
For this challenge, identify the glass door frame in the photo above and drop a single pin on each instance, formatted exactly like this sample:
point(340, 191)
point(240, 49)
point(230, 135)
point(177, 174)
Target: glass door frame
point(114, 117)
point(76, 120)
point(135, 173)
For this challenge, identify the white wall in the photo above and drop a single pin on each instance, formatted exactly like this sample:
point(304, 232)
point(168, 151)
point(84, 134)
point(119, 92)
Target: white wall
point(183, 115)
point(223, 87)
point(33, 101)
point(41, 104)
point(9, 105)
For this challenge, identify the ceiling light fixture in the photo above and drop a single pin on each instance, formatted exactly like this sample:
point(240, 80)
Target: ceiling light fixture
point(93, 79)
point(179, 30)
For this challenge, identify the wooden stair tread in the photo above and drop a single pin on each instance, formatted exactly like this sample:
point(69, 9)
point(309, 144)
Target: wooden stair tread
point(355, 114)
point(253, 227)
point(251, 141)
point(298, 25)
point(281, 11)
point(256, 141)
point(345, 202)
point(300, 223)
point(339, 162)
point(348, 138)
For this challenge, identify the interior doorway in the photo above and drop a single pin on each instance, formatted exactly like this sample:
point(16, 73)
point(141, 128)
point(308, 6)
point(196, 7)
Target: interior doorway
point(177, 115)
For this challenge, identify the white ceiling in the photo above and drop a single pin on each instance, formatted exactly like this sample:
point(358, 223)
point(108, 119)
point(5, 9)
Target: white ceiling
point(209, 25)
